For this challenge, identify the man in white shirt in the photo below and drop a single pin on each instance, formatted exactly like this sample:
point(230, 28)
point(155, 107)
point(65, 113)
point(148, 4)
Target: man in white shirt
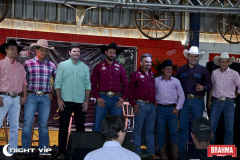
point(113, 131)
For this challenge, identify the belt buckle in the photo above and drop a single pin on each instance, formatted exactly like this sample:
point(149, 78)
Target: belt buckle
point(39, 93)
point(13, 95)
point(190, 96)
point(110, 93)
point(222, 99)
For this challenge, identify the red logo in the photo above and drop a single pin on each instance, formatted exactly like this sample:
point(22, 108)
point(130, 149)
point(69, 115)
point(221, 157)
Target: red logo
point(222, 150)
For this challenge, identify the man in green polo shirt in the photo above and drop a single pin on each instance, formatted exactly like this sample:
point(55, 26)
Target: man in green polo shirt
point(73, 87)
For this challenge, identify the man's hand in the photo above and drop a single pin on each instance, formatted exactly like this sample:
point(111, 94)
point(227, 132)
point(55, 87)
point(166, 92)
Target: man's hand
point(1, 102)
point(199, 87)
point(120, 102)
point(209, 104)
point(135, 109)
point(85, 105)
point(23, 100)
point(61, 104)
point(175, 111)
point(50, 95)
point(101, 103)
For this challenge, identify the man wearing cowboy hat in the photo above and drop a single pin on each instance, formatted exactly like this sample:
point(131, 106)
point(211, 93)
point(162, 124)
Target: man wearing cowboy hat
point(12, 82)
point(225, 81)
point(73, 87)
point(142, 98)
point(39, 71)
point(195, 80)
point(170, 98)
point(109, 86)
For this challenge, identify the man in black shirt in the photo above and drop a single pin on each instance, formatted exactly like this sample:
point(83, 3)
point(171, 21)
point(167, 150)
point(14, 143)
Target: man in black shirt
point(201, 135)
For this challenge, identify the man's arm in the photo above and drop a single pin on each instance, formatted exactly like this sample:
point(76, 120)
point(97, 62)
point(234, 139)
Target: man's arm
point(207, 81)
point(24, 98)
point(94, 82)
point(209, 100)
point(86, 102)
point(58, 86)
point(181, 96)
point(237, 81)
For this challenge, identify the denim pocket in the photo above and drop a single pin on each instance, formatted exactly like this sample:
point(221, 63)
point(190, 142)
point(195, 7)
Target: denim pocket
point(197, 75)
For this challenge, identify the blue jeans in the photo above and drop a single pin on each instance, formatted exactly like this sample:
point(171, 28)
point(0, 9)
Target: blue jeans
point(194, 107)
point(148, 115)
point(165, 115)
point(228, 110)
point(12, 107)
point(42, 105)
point(100, 113)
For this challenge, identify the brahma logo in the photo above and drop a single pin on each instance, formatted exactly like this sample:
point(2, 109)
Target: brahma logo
point(171, 52)
point(222, 150)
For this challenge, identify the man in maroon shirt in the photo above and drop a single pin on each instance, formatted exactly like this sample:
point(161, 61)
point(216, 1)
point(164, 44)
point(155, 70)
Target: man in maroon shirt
point(142, 98)
point(109, 86)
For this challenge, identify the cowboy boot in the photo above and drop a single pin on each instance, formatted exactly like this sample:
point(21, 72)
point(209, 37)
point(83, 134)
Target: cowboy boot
point(163, 155)
point(174, 151)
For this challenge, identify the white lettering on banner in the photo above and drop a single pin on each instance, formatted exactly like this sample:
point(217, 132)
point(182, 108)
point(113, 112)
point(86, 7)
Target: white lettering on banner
point(43, 151)
point(171, 52)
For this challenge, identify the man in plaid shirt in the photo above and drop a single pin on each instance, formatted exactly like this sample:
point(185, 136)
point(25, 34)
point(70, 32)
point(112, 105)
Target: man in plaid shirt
point(39, 71)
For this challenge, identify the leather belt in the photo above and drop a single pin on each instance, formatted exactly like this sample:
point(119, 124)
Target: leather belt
point(38, 93)
point(110, 93)
point(222, 99)
point(192, 96)
point(147, 102)
point(12, 95)
point(168, 105)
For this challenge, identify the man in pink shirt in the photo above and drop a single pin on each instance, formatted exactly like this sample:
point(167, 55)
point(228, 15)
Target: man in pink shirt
point(12, 83)
point(225, 81)
point(109, 86)
point(142, 98)
point(170, 98)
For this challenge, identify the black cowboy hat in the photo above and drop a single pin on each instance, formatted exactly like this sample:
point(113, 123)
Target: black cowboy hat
point(165, 63)
point(10, 42)
point(112, 45)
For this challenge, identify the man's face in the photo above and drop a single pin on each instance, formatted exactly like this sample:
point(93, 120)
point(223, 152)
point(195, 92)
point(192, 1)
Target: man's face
point(11, 51)
point(193, 59)
point(167, 71)
point(41, 53)
point(224, 64)
point(75, 54)
point(111, 54)
point(146, 63)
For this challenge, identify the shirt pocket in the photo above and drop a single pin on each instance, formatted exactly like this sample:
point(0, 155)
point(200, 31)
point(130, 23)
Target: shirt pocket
point(229, 82)
point(196, 75)
point(183, 75)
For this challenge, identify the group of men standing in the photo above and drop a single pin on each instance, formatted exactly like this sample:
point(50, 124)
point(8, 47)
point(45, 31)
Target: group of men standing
point(176, 98)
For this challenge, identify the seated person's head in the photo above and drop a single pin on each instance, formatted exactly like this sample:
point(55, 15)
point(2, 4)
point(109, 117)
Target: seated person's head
point(201, 132)
point(113, 129)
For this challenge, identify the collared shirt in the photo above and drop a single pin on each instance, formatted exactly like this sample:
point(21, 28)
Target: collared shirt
point(12, 76)
point(141, 86)
point(189, 77)
point(107, 77)
point(224, 83)
point(169, 92)
point(39, 74)
point(112, 150)
point(73, 80)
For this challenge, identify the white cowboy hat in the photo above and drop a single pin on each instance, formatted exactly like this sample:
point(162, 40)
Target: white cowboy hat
point(40, 43)
point(223, 55)
point(192, 50)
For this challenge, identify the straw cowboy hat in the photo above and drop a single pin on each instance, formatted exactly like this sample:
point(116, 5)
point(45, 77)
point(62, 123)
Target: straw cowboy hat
point(192, 50)
point(224, 55)
point(112, 45)
point(40, 43)
point(10, 42)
